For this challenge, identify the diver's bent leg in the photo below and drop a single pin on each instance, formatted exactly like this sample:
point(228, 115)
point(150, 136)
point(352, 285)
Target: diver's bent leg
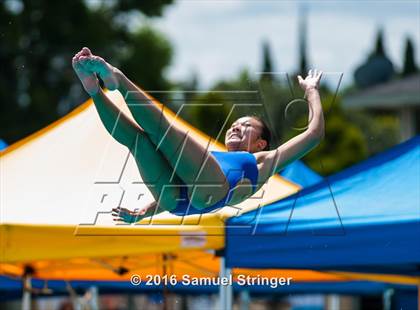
point(193, 165)
point(156, 172)
point(153, 167)
point(189, 158)
point(119, 126)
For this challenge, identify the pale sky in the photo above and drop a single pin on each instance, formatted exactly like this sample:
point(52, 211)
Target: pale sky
point(219, 37)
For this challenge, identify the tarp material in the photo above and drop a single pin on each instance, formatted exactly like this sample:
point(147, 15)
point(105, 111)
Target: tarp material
point(299, 173)
point(405, 299)
point(59, 185)
point(195, 263)
point(3, 145)
point(364, 219)
point(53, 181)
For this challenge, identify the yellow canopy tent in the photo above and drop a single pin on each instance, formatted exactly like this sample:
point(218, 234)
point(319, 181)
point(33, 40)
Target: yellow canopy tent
point(194, 263)
point(59, 185)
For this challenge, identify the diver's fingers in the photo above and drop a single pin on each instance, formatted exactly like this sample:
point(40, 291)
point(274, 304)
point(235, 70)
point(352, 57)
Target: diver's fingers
point(121, 221)
point(320, 75)
point(300, 79)
point(121, 210)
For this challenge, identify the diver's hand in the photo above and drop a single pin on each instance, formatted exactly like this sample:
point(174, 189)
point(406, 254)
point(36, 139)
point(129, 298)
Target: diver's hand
point(127, 216)
point(311, 81)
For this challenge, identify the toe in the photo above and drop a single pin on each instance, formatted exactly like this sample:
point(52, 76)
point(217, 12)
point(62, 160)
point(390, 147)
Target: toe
point(86, 51)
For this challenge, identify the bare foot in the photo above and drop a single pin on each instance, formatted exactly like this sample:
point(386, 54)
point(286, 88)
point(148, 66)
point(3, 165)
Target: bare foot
point(104, 70)
point(88, 78)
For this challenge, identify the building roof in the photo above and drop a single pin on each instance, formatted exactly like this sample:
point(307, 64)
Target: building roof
point(390, 95)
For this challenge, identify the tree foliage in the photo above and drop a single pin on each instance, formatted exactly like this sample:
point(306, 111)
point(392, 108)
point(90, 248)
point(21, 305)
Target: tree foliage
point(377, 69)
point(145, 60)
point(282, 107)
point(267, 63)
point(409, 66)
point(38, 38)
point(379, 45)
point(210, 112)
point(344, 143)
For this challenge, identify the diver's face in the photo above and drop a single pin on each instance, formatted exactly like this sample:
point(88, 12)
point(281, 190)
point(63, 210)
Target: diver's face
point(244, 135)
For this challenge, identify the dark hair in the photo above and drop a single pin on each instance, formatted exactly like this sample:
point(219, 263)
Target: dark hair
point(265, 131)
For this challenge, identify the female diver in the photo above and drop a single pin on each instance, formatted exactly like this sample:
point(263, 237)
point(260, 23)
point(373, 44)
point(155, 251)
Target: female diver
point(183, 176)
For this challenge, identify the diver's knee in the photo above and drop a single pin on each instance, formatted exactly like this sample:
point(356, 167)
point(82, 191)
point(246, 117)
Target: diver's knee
point(168, 197)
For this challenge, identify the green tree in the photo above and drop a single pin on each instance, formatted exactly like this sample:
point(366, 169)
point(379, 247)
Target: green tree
point(378, 68)
point(286, 113)
point(303, 63)
point(344, 143)
point(38, 38)
point(226, 101)
point(381, 131)
point(379, 44)
point(210, 112)
point(267, 63)
point(275, 98)
point(146, 59)
point(150, 8)
point(409, 66)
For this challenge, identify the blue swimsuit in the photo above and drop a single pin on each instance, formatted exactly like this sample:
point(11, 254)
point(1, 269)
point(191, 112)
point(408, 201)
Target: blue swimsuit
point(235, 166)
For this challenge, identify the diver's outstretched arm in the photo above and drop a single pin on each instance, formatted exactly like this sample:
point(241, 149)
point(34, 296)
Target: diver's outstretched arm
point(273, 161)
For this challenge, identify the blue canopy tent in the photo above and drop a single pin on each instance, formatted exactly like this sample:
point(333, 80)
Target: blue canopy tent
point(3, 145)
point(299, 173)
point(363, 219)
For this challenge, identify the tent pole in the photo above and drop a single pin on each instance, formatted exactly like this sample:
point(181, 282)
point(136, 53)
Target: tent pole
point(387, 298)
point(333, 302)
point(27, 287)
point(418, 297)
point(225, 291)
point(229, 290)
point(245, 300)
point(165, 288)
point(26, 296)
point(94, 302)
point(222, 289)
point(73, 296)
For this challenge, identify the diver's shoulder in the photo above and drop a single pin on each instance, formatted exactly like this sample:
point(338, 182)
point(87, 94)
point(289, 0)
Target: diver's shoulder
point(262, 156)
